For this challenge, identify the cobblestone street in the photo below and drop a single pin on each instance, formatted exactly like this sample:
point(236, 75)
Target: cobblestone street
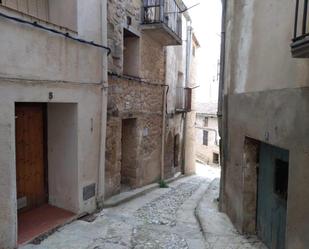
point(163, 218)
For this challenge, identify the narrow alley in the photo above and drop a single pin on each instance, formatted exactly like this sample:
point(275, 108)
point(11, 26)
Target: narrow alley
point(154, 124)
point(164, 218)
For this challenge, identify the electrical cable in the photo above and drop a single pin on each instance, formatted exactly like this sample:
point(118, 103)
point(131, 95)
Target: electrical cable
point(137, 79)
point(66, 35)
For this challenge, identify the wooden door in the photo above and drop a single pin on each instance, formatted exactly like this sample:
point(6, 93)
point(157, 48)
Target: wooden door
point(272, 196)
point(31, 169)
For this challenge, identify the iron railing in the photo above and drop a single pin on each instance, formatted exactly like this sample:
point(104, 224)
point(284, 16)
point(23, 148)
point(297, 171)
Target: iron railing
point(166, 12)
point(301, 20)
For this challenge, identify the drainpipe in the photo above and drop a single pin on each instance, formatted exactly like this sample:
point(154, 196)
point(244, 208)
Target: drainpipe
point(163, 130)
point(222, 118)
point(187, 69)
point(104, 95)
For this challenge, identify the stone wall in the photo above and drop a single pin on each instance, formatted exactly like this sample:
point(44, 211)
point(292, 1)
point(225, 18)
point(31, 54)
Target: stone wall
point(152, 65)
point(142, 101)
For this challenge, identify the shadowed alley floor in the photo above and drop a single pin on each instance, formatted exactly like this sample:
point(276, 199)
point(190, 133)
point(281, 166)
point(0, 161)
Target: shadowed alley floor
point(163, 218)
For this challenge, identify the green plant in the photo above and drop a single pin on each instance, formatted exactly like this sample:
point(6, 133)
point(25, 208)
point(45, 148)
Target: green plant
point(163, 184)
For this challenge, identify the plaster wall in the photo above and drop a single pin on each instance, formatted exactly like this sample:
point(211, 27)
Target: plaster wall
point(31, 53)
point(190, 143)
point(190, 131)
point(87, 99)
point(39, 66)
point(62, 156)
point(258, 45)
point(267, 100)
point(280, 126)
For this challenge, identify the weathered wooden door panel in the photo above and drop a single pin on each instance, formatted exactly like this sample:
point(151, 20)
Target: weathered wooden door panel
point(272, 196)
point(30, 155)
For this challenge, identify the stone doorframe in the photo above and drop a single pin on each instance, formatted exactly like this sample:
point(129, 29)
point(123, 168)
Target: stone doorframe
point(250, 183)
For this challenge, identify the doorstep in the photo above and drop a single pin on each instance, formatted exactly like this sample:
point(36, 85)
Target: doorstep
point(39, 221)
point(130, 195)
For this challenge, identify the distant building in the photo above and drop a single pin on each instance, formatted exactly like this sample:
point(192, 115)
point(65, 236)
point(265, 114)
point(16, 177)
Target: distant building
point(207, 136)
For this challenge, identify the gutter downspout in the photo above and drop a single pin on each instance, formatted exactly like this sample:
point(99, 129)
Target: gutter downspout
point(104, 95)
point(188, 62)
point(222, 119)
point(163, 131)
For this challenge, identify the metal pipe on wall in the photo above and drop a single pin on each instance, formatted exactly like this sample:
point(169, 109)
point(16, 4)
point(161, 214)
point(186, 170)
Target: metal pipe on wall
point(187, 77)
point(222, 119)
point(163, 131)
point(104, 94)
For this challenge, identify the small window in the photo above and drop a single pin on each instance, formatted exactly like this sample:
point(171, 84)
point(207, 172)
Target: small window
point(281, 179)
point(205, 138)
point(215, 158)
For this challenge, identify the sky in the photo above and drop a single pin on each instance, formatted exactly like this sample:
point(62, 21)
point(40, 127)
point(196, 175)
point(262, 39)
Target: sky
point(206, 22)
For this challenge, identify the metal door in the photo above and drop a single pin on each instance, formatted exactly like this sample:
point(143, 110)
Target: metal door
point(272, 196)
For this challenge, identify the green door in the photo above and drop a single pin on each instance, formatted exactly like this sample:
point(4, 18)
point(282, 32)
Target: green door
point(272, 195)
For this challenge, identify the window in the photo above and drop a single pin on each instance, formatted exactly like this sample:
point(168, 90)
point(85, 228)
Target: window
point(60, 12)
point(205, 138)
point(131, 53)
point(206, 122)
point(215, 158)
point(281, 179)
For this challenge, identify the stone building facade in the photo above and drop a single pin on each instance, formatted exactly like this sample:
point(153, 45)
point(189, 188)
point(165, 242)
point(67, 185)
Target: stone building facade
point(264, 102)
point(53, 102)
point(145, 66)
point(207, 134)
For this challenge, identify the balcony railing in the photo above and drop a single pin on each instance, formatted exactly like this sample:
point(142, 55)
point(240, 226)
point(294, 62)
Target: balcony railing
point(166, 12)
point(300, 41)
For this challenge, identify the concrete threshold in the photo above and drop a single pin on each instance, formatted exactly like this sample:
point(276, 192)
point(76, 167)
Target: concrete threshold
point(130, 195)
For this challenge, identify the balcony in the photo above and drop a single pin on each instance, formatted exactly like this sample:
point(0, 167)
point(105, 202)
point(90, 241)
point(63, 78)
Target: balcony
point(300, 41)
point(162, 20)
